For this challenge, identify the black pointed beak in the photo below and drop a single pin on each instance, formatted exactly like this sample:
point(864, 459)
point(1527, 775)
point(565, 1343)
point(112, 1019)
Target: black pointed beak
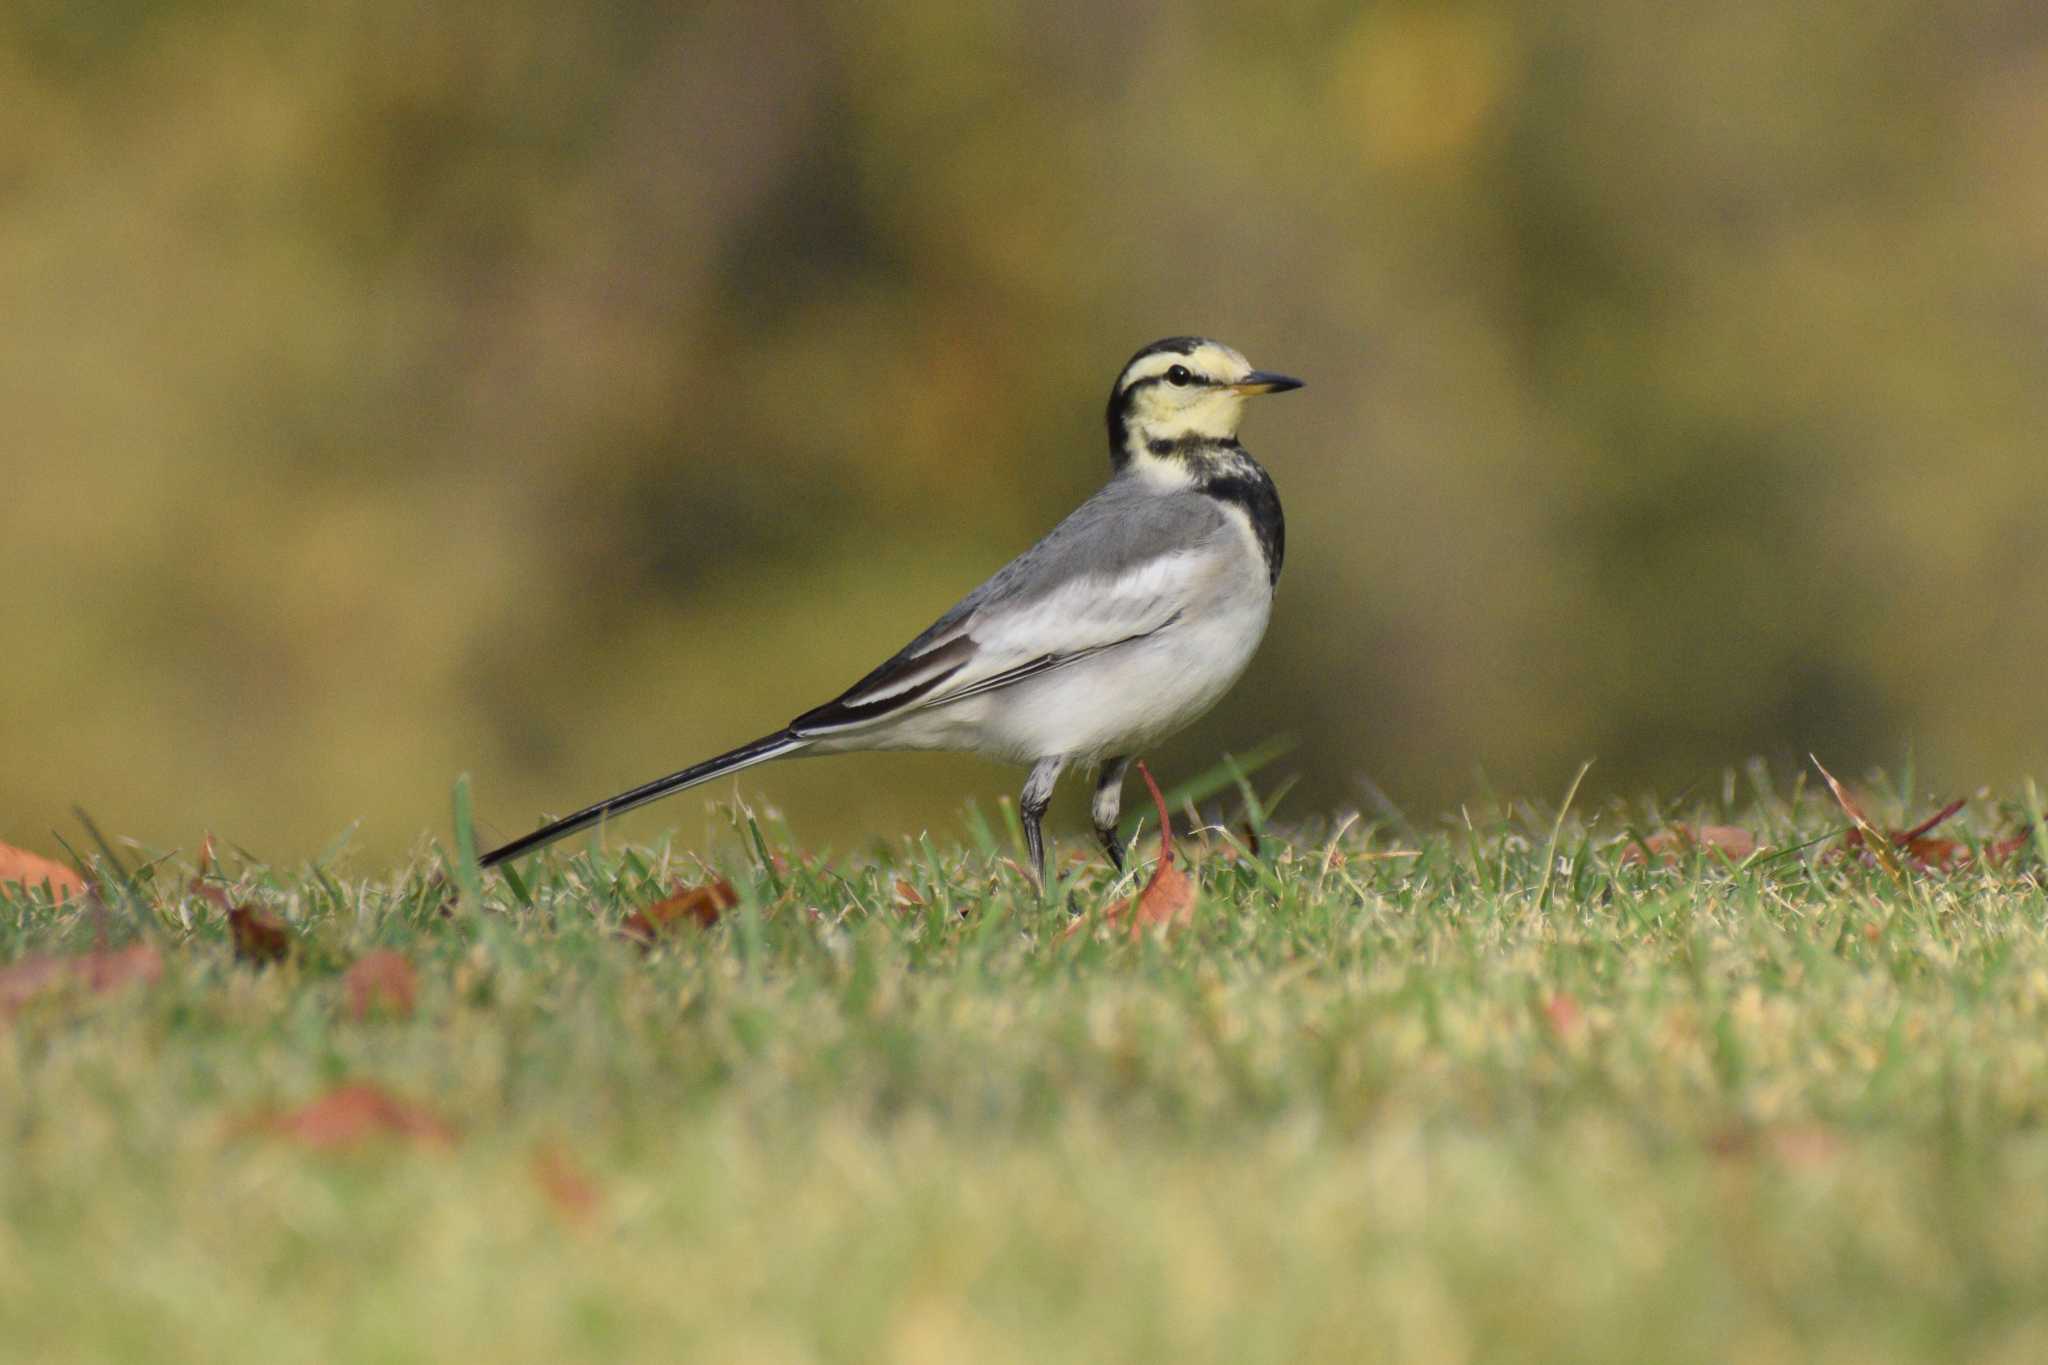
point(1263, 381)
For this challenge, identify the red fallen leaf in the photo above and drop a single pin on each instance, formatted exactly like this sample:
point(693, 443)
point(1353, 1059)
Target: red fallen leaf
point(353, 1114)
point(1937, 855)
point(1926, 853)
point(382, 980)
point(31, 978)
point(1562, 1013)
point(2002, 849)
point(1676, 843)
point(566, 1184)
point(1169, 897)
point(701, 904)
point(1927, 826)
point(906, 895)
point(32, 870)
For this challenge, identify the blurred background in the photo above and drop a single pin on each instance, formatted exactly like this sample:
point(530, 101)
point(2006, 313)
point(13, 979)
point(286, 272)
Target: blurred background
point(563, 392)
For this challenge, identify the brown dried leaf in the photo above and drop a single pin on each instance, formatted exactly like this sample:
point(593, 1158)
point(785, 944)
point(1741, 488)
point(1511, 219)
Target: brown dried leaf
point(380, 981)
point(31, 978)
point(568, 1187)
point(260, 937)
point(32, 870)
point(1677, 843)
point(355, 1113)
point(699, 905)
point(1865, 834)
point(906, 896)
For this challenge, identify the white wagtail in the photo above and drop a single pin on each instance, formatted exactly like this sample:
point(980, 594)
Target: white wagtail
point(1124, 624)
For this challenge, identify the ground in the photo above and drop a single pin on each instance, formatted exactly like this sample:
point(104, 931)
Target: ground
point(1479, 1090)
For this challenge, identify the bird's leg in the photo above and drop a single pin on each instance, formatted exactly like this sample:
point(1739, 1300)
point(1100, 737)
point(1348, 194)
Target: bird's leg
point(1031, 806)
point(1109, 799)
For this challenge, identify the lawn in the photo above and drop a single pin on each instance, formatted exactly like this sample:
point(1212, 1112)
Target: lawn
point(1487, 1088)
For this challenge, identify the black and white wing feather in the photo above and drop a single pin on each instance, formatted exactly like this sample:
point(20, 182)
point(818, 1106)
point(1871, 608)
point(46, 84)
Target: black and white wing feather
point(1126, 565)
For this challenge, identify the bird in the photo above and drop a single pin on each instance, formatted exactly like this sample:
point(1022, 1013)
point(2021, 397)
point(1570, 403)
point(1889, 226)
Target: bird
point(1127, 621)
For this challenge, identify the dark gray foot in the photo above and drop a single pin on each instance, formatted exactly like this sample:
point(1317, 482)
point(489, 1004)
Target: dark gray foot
point(1109, 799)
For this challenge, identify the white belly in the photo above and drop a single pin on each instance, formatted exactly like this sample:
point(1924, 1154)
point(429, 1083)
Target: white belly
point(1129, 698)
point(1116, 702)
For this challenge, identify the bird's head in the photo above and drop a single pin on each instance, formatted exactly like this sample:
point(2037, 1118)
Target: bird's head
point(1179, 395)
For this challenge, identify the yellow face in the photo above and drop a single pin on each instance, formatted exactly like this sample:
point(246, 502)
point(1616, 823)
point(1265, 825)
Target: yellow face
point(1184, 390)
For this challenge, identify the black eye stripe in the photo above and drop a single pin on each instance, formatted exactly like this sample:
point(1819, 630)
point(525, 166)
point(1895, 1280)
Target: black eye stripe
point(1166, 378)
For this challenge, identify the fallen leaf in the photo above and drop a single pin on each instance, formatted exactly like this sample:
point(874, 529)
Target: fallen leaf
point(32, 870)
point(353, 1114)
point(1562, 1013)
point(1168, 899)
point(380, 981)
point(31, 978)
point(1805, 1146)
point(701, 905)
point(1937, 855)
point(906, 896)
point(1864, 833)
point(566, 1184)
point(260, 937)
point(1916, 845)
point(1677, 843)
point(2000, 850)
point(1928, 825)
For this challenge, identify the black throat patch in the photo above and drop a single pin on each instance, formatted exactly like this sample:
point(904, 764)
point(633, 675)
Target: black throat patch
point(1242, 482)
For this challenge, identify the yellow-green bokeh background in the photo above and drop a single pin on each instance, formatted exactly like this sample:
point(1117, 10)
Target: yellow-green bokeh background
point(563, 392)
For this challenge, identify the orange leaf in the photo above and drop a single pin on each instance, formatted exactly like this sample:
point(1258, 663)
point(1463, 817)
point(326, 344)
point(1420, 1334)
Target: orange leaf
point(355, 1113)
point(33, 870)
point(382, 980)
point(566, 1184)
point(702, 905)
point(1676, 843)
point(31, 978)
point(906, 896)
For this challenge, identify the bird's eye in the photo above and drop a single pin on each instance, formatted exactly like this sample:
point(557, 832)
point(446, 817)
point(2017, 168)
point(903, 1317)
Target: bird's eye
point(1179, 377)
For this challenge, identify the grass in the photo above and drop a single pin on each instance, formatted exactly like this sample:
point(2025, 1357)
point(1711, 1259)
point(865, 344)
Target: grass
point(1420, 1095)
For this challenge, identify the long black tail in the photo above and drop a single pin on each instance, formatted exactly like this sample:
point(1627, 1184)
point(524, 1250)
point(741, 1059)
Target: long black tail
point(746, 756)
